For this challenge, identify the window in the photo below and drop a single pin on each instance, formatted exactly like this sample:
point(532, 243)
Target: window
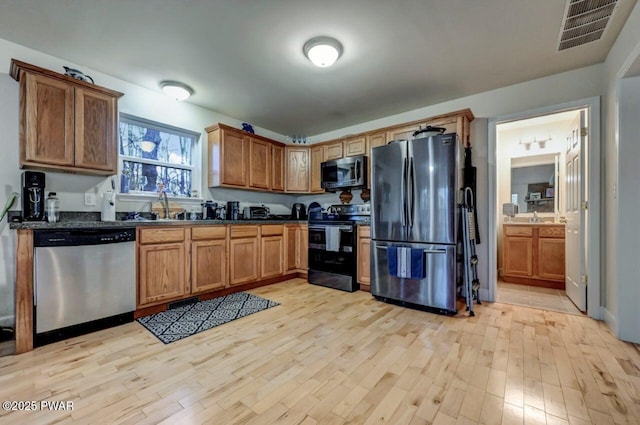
point(155, 157)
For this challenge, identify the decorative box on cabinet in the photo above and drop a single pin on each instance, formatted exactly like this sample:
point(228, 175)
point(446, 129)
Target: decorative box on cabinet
point(66, 124)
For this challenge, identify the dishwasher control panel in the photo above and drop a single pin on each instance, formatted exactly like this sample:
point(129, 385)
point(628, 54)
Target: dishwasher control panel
point(78, 237)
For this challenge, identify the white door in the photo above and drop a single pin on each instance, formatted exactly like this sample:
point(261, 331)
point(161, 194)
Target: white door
point(575, 246)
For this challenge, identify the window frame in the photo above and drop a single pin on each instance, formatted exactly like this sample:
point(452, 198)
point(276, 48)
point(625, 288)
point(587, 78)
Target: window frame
point(194, 167)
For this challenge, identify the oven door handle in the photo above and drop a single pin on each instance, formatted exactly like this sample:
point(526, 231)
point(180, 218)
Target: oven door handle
point(345, 228)
point(426, 251)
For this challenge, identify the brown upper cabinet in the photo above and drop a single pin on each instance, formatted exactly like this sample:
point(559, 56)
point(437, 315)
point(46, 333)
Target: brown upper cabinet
point(259, 164)
point(333, 150)
point(241, 160)
point(317, 157)
point(277, 168)
point(66, 124)
point(354, 146)
point(297, 169)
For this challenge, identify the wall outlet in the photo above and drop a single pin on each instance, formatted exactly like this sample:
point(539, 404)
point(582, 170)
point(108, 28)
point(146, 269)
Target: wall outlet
point(89, 198)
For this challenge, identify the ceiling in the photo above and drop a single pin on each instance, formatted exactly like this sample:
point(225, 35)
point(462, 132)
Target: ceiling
point(244, 58)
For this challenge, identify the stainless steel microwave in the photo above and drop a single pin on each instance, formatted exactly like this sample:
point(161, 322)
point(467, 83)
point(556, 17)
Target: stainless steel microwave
point(345, 173)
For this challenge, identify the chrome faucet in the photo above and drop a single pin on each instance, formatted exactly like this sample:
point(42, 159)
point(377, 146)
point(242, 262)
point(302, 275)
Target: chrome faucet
point(162, 194)
point(535, 218)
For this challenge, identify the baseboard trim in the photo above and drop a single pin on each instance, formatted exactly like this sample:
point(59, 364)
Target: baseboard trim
point(611, 321)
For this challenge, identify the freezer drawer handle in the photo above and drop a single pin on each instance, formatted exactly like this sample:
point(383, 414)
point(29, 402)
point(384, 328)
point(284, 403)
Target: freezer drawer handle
point(427, 251)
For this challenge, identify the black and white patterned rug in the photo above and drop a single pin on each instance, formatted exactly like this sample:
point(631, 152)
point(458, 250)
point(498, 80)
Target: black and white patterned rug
point(181, 322)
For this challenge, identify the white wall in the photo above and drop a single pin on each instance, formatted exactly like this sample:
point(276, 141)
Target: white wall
point(620, 206)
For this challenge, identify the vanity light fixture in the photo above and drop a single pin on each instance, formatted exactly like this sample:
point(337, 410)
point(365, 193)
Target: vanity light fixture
point(541, 143)
point(322, 51)
point(176, 90)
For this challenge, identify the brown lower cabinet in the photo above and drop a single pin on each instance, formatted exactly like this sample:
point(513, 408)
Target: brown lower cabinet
point(297, 247)
point(534, 255)
point(364, 257)
point(208, 258)
point(176, 262)
point(162, 271)
point(244, 254)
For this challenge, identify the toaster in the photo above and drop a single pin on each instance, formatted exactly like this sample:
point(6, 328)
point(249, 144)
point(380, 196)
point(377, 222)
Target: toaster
point(256, 213)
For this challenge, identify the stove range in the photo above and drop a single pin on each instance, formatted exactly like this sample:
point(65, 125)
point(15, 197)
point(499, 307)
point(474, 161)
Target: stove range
point(333, 246)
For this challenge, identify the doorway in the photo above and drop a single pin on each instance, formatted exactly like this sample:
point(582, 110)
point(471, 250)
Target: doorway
point(537, 167)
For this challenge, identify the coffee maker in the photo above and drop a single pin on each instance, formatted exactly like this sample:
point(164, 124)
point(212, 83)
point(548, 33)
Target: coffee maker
point(233, 210)
point(298, 211)
point(32, 196)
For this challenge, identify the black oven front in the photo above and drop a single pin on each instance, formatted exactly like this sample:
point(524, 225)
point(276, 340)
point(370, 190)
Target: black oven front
point(332, 255)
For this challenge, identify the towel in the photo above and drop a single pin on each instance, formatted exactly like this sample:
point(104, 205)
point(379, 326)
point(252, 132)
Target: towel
point(392, 261)
point(332, 238)
point(405, 263)
point(417, 264)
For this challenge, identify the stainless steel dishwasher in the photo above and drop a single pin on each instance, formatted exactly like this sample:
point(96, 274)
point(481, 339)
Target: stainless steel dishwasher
point(84, 280)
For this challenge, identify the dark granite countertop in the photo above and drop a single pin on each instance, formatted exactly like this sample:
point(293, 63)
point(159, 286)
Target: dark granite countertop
point(89, 224)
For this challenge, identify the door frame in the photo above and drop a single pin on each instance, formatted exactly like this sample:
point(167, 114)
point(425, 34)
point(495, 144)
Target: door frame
point(593, 179)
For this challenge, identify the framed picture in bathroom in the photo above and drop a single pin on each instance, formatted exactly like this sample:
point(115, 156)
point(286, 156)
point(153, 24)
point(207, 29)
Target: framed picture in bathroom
point(534, 196)
point(549, 193)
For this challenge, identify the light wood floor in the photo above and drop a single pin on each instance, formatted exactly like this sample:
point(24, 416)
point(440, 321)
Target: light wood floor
point(330, 357)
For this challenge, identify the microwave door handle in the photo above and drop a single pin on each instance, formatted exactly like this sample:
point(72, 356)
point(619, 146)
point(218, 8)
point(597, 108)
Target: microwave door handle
point(357, 172)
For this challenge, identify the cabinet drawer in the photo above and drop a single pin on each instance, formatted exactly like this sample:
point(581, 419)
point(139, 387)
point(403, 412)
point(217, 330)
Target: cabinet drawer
point(208, 232)
point(242, 231)
point(551, 232)
point(161, 235)
point(364, 231)
point(518, 230)
point(272, 230)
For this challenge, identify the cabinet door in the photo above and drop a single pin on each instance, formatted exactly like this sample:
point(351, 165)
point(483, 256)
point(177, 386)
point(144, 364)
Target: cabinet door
point(47, 121)
point(291, 236)
point(259, 163)
point(404, 132)
point(244, 261)
point(277, 168)
point(95, 131)
point(297, 169)
point(162, 274)
point(551, 259)
point(355, 146)
point(272, 256)
point(333, 150)
point(364, 256)
point(303, 248)
point(317, 157)
point(518, 256)
point(208, 265)
point(235, 156)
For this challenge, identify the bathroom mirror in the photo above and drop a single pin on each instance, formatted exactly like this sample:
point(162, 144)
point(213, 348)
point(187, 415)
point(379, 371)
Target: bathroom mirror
point(534, 183)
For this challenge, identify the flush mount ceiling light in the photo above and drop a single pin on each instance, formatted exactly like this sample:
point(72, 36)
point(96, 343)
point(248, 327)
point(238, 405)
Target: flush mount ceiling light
point(176, 90)
point(322, 51)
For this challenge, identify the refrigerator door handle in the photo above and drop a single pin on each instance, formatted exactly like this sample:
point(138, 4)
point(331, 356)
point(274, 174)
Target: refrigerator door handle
point(403, 190)
point(411, 193)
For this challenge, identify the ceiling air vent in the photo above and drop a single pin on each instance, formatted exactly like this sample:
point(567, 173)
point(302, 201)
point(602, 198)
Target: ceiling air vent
point(585, 21)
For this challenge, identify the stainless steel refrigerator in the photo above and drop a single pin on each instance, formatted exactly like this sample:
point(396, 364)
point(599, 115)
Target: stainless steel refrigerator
point(414, 196)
